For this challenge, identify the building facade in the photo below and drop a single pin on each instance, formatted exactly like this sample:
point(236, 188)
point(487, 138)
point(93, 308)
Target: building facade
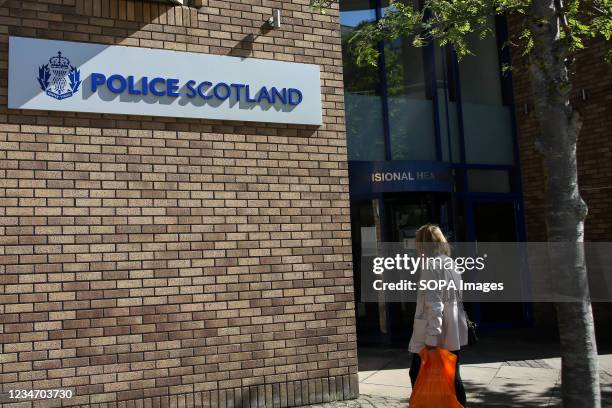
point(151, 260)
point(163, 261)
point(592, 77)
point(435, 139)
point(591, 97)
point(437, 144)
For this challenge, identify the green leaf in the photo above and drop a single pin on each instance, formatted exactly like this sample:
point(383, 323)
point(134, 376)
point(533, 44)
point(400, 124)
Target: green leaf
point(454, 22)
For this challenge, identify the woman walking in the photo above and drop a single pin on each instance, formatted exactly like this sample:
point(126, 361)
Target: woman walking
point(439, 319)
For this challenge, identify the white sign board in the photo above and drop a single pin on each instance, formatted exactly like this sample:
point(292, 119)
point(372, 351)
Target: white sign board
point(81, 77)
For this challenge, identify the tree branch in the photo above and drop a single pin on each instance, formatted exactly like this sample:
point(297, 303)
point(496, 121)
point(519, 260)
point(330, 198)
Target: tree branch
point(562, 16)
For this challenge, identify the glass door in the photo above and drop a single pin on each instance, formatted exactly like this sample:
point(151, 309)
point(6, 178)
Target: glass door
point(405, 214)
point(391, 218)
point(366, 231)
point(495, 220)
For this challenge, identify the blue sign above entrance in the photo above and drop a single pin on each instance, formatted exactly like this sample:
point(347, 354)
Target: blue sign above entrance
point(399, 176)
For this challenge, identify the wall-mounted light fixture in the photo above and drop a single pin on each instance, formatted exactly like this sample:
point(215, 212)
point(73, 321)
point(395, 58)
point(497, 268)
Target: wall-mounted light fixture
point(275, 20)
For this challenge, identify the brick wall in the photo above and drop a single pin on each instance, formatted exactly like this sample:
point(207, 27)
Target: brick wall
point(594, 152)
point(173, 262)
point(593, 76)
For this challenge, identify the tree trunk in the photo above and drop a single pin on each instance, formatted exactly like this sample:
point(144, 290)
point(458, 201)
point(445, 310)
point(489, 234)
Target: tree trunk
point(566, 211)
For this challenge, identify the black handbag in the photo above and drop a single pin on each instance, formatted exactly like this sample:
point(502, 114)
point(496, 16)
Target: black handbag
point(471, 326)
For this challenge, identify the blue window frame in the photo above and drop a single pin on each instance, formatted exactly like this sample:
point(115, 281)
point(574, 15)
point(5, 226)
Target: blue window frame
point(371, 122)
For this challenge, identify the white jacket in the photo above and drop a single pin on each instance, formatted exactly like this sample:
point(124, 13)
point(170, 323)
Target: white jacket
point(439, 319)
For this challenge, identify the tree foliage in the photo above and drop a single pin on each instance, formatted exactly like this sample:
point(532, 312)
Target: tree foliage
point(450, 21)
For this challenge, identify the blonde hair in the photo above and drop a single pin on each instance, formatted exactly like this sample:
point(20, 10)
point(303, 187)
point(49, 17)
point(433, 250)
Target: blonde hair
point(431, 241)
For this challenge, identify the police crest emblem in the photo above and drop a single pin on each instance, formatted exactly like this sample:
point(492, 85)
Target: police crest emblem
point(58, 78)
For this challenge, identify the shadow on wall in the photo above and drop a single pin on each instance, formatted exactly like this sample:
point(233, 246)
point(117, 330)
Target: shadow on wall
point(132, 16)
point(244, 47)
point(134, 12)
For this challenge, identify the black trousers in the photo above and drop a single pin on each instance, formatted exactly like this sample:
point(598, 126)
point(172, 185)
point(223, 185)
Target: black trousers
point(459, 390)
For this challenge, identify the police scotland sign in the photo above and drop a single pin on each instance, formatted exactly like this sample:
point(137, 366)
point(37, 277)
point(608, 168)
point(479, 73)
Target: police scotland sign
point(80, 77)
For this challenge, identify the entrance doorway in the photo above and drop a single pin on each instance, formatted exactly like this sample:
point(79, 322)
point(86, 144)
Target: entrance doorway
point(495, 220)
point(392, 218)
point(405, 215)
point(395, 218)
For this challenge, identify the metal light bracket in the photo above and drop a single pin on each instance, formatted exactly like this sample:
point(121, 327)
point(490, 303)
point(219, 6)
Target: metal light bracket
point(275, 20)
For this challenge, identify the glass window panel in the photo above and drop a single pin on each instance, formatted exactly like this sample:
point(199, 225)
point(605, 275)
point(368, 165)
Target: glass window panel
point(362, 89)
point(489, 181)
point(411, 115)
point(487, 119)
point(447, 106)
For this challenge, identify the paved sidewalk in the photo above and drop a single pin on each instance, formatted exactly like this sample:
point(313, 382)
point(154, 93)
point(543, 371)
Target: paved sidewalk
point(505, 371)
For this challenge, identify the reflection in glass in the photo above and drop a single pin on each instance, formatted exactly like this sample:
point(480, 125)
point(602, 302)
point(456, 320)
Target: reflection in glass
point(412, 87)
point(489, 181)
point(487, 117)
point(411, 114)
point(411, 117)
point(362, 89)
point(447, 105)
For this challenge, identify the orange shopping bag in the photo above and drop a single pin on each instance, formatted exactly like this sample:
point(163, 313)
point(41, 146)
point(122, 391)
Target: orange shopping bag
point(435, 384)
